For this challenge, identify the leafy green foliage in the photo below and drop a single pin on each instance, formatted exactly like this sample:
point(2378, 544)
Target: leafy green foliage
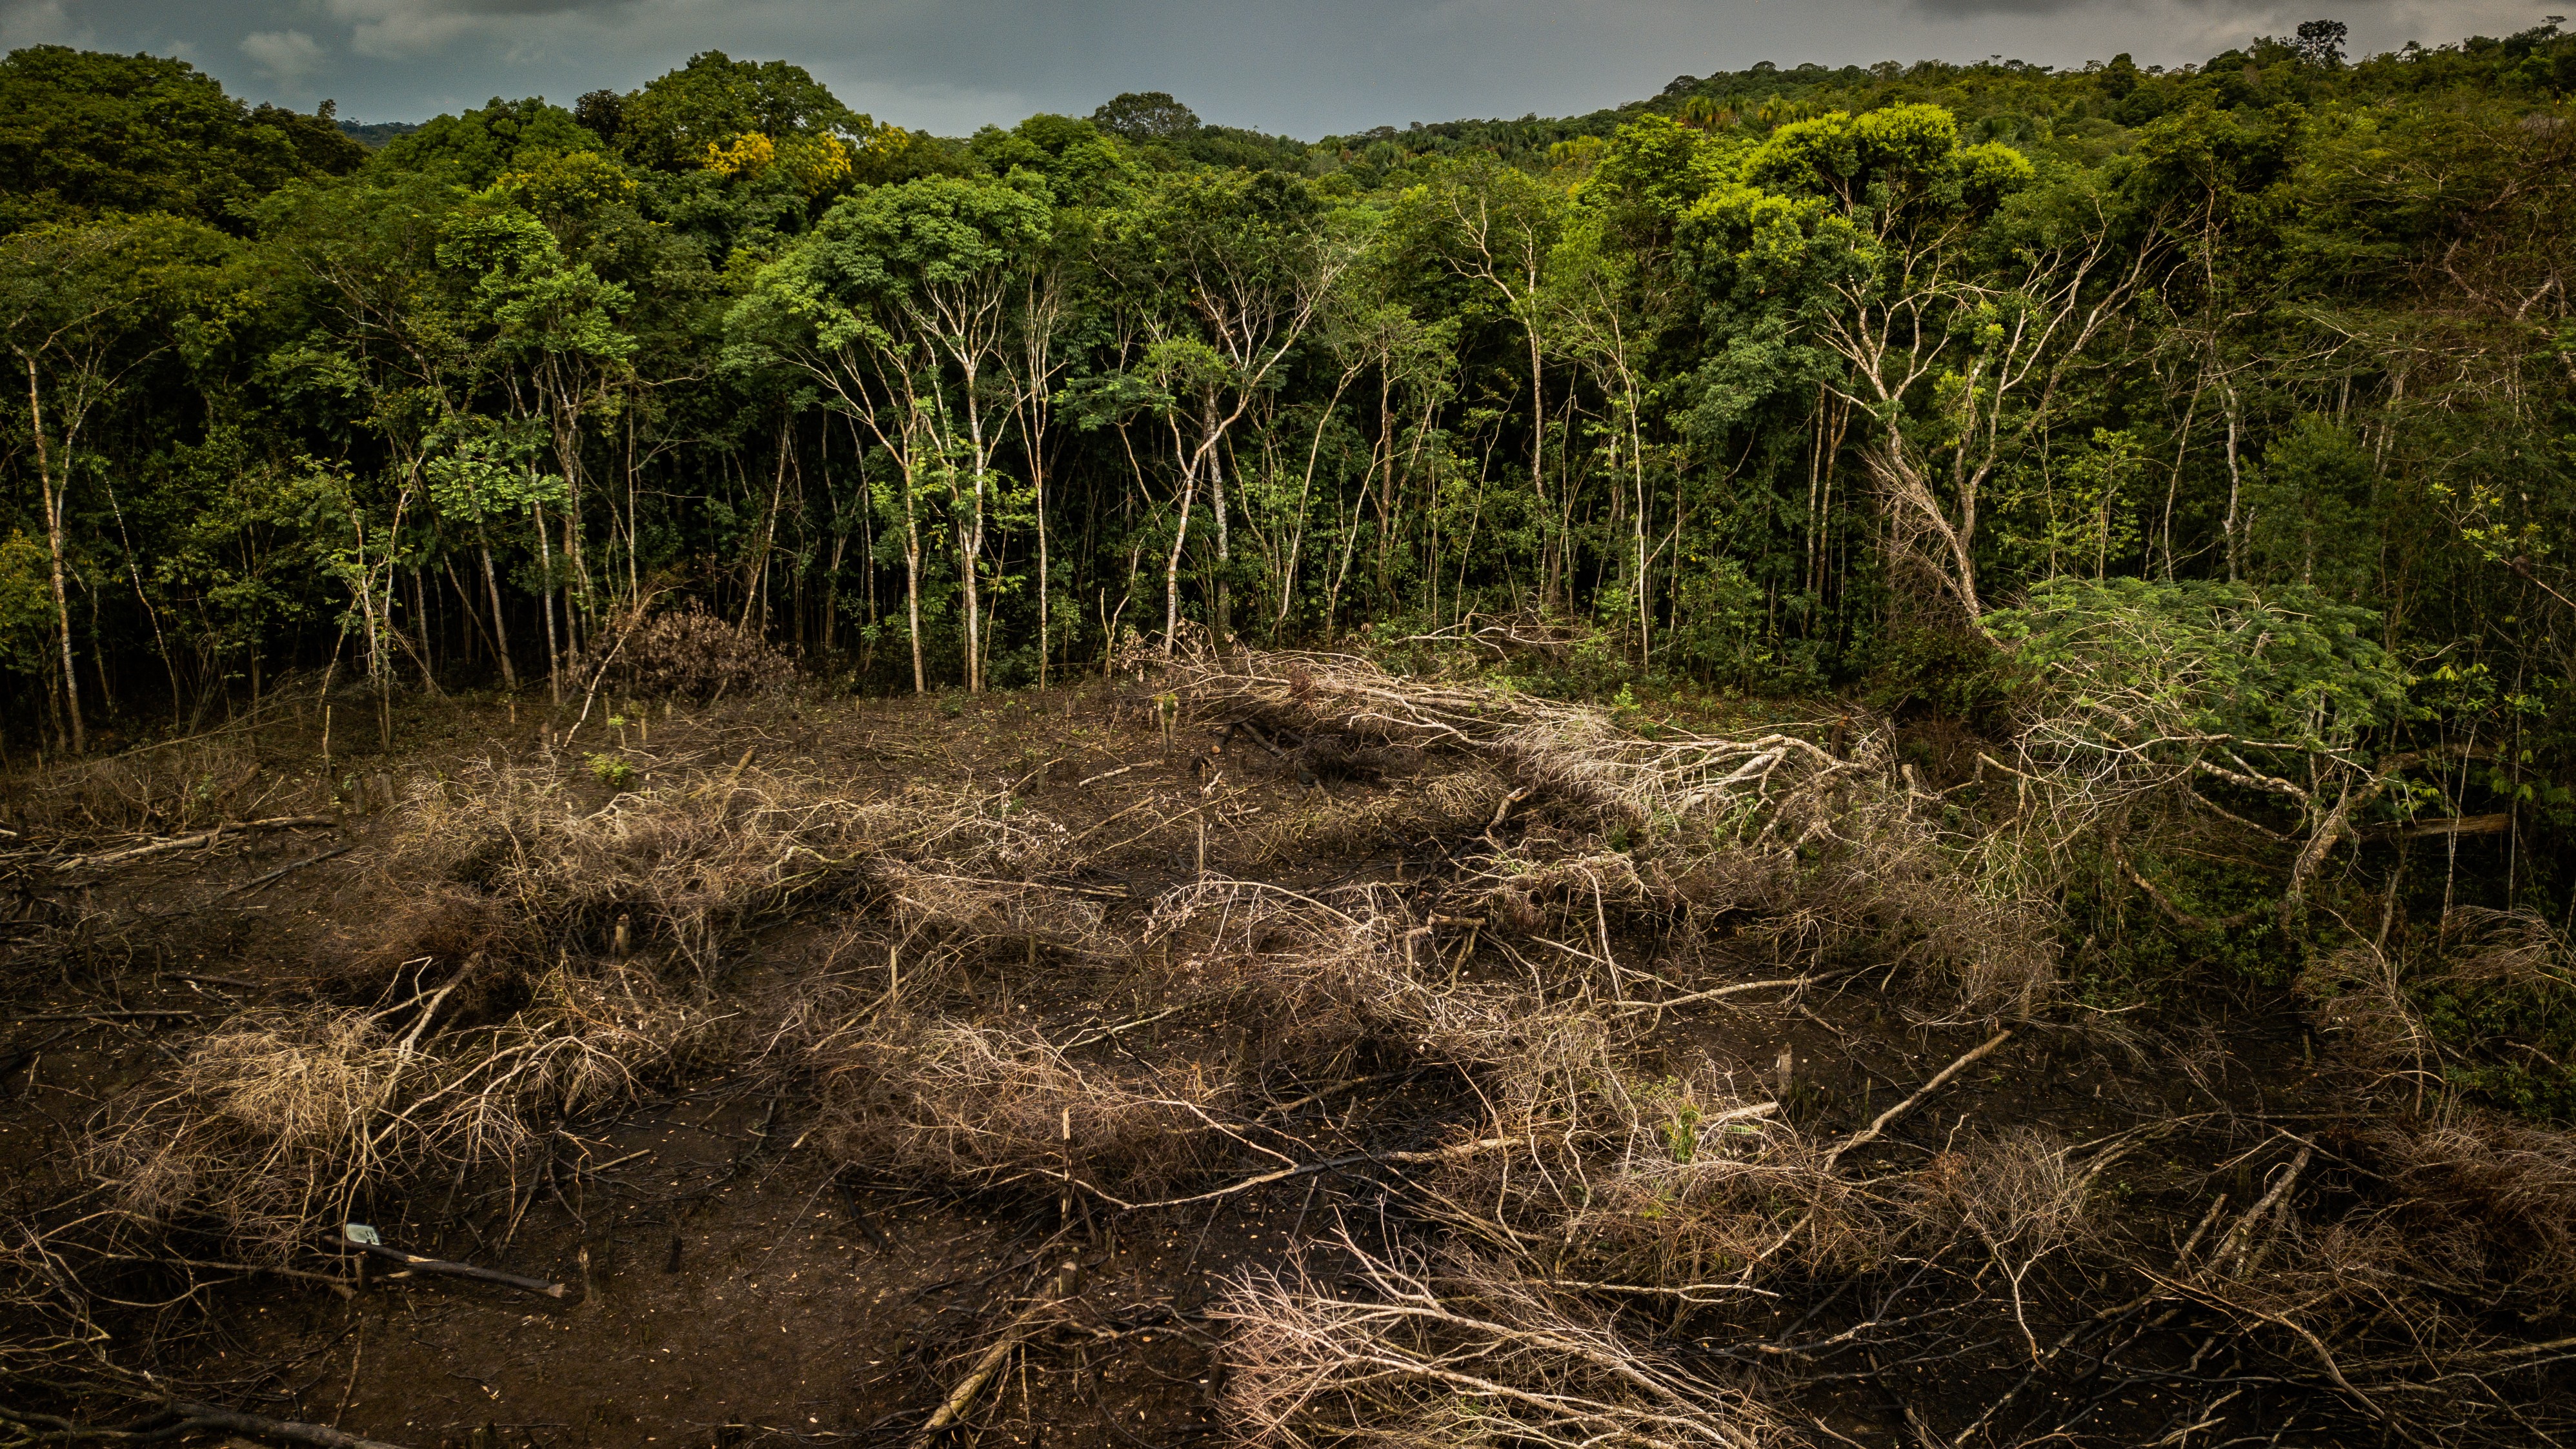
point(672, 121)
point(83, 134)
point(474, 148)
point(2189, 664)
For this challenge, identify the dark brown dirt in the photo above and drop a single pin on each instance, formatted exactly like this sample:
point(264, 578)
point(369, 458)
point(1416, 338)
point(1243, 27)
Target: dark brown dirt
point(740, 1288)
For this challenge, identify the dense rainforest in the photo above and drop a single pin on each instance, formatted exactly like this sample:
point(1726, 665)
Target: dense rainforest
point(2204, 431)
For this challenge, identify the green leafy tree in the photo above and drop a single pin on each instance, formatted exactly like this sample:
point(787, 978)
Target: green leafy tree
point(84, 134)
point(713, 101)
point(1225, 274)
point(550, 329)
point(78, 308)
point(901, 303)
point(2134, 689)
point(1146, 116)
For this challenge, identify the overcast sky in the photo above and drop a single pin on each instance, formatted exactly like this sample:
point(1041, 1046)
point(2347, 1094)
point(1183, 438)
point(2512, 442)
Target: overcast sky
point(1303, 67)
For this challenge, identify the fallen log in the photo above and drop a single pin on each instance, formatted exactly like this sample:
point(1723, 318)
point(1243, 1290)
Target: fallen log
point(445, 1269)
point(2441, 825)
point(990, 1363)
point(197, 841)
point(1304, 1169)
point(286, 870)
point(1940, 1079)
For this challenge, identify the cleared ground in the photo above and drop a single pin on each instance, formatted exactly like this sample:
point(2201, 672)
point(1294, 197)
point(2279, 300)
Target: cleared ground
point(1271, 1048)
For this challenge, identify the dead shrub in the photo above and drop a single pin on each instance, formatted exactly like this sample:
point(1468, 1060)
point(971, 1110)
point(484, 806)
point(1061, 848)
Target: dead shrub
point(2357, 995)
point(2017, 1195)
point(690, 653)
point(444, 930)
point(2514, 949)
point(1886, 892)
point(1669, 1181)
point(1836, 850)
point(1305, 979)
point(2484, 1207)
point(1443, 805)
point(584, 1040)
point(949, 1102)
point(693, 862)
point(189, 785)
point(1676, 781)
point(268, 1127)
point(283, 1122)
point(1003, 913)
point(1457, 1351)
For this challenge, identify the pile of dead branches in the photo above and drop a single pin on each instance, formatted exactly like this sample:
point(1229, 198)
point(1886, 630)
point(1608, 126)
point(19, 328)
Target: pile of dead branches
point(284, 1122)
point(527, 862)
point(1822, 851)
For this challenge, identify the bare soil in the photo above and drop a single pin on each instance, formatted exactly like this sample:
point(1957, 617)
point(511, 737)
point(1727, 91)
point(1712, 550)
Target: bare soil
point(730, 1281)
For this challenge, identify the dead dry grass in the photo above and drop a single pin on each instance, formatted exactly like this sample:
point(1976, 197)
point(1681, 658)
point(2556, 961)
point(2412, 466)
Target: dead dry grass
point(285, 1122)
point(1578, 1222)
point(1411, 1349)
point(1831, 853)
point(164, 789)
point(991, 1107)
point(531, 863)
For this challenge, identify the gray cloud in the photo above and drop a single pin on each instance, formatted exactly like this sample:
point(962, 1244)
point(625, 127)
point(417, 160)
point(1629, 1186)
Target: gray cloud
point(1306, 67)
point(285, 55)
point(38, 22)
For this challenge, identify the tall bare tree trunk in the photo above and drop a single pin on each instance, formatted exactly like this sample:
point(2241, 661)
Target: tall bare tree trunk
point(971, 544)
point(2235, 481)
point(1549, 549)
point(53, 504)
point(1224, 548)
point(500, 628)
point(554, 645)
point(912, 581)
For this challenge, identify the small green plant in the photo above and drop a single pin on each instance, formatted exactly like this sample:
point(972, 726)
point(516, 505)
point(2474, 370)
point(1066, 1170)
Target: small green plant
point(612, 771)
point(952, 705)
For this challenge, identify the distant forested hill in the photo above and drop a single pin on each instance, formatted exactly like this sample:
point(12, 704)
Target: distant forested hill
point(372, 134)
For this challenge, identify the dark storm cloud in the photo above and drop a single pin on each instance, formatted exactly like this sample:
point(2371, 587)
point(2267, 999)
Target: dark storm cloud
point(1977, 9)
point(1307, 67)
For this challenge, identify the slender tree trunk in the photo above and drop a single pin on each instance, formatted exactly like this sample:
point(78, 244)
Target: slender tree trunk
point(2235, 480)
point(576, 620)
point(546, 595)
point(1551, 552)
point(1350, 546)
point(832, 581)
point(473, 618)
point(1305, 490)
point(2173, 480)
point(420, 625)
point(52, 498)
point(1645, 606)
point(971, 549)
point(1037, 481)
point(500, 627)
point(1224, 623)
point(912, 581)
point(1190, 466)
